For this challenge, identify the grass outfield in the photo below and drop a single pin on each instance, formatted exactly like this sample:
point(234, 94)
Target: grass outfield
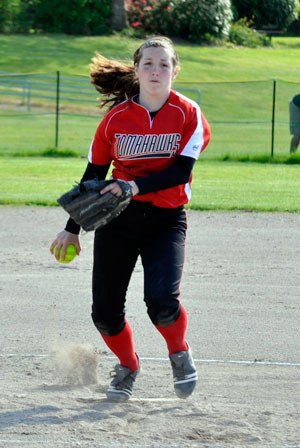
point(36, 132)
point(216, 185)
point(235, 85)
point(72, 55)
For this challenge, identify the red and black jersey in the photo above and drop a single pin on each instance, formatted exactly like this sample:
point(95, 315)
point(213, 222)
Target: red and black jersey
point(140, 146)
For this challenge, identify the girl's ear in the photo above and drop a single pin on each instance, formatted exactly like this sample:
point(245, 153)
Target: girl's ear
point(135, 70)
point(176, 70)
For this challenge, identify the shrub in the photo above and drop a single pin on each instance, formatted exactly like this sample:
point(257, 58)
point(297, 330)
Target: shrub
point(70, 16)
point(8, 12)
point(279, 13)
point(241, 34)
point(26, 18)
point(294, 27)
point(193, 19)
point(150, 16)
point(188, 19)
point(73, 16)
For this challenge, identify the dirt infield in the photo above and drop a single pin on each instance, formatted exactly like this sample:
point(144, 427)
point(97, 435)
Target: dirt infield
point(241, 289)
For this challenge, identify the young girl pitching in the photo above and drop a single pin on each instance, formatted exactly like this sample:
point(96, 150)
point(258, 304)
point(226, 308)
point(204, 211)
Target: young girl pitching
point(152, 135)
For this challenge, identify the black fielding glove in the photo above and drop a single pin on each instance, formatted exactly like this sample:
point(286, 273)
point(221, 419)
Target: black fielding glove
point(92, 210)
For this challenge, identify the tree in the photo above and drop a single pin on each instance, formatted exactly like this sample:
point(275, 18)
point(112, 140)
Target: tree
point(119, 16)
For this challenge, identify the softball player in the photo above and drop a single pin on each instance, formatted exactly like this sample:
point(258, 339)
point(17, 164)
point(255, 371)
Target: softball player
point(152, 135)
point(295, 123)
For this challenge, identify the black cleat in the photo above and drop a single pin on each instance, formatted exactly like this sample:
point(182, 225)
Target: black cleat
point(184, 373)
point(120, 389)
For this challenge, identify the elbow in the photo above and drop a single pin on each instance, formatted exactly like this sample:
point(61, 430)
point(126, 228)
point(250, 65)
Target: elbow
point(186, 178)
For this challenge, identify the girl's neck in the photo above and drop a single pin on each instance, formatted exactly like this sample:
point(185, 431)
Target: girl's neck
point(152, 104)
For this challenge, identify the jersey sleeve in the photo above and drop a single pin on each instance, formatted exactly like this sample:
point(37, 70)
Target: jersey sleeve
point(196, 134)
point(100, 149)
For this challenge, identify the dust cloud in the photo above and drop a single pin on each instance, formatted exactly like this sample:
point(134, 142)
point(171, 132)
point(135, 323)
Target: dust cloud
point(76, 364)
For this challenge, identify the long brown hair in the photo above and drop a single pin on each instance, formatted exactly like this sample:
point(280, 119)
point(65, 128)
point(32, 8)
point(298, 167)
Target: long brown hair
point(115, 80)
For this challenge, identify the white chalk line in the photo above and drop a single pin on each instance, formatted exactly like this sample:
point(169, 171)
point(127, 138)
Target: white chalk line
point(80, 443)
point(233, 361)
point(197, 360)
point(69, 444)
point(113, 445)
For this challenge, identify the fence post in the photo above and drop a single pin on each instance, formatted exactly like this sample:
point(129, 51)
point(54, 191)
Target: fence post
point(29, 98)
point(27, 86)
point(57, 107)
point(273, 117)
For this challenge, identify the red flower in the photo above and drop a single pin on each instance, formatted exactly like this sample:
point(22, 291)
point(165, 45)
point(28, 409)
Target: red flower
point(136, 24)
point(148, 8)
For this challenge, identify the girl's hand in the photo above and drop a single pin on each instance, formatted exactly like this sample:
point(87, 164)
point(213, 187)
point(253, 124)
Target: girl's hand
point(63, 239)
point(115, 188)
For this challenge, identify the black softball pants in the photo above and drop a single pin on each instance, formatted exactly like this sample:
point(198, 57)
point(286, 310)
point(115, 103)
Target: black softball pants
point(155, 234)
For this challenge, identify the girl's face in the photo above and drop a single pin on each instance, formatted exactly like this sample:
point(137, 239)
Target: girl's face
point(155, 71)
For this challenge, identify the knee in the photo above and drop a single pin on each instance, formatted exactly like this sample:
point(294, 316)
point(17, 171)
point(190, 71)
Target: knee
point(108, 328)
point(163, 315)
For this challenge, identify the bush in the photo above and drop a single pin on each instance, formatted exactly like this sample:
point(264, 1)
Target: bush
point(70, 16)
point(294, 28)
point(9, 9)
point(241, 34)
point(194, 19)
point(189, 19)
point(150, 16)
point(26, 17)
point(73, 16)
point(278, 13)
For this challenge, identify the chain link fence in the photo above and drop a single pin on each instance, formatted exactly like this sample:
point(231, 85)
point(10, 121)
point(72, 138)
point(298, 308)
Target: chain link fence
point(40, 111)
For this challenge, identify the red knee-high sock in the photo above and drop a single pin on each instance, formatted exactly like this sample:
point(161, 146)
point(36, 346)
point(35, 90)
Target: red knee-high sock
point(174, 334)
point(122, 346)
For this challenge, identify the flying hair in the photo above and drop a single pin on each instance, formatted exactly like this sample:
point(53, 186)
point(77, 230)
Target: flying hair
point(115, 80)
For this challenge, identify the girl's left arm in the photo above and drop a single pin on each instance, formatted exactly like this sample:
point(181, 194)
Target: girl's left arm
point(176, 174)
point(195, 138)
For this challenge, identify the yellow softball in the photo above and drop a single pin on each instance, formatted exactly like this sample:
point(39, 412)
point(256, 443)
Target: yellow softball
point(70, 254)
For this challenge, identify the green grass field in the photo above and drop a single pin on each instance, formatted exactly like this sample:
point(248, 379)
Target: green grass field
point(72, 55)
point(236, 88)
point(216, 185)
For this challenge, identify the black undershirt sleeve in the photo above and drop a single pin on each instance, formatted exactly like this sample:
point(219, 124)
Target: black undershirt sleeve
point(91, 171)
point(176, 174)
